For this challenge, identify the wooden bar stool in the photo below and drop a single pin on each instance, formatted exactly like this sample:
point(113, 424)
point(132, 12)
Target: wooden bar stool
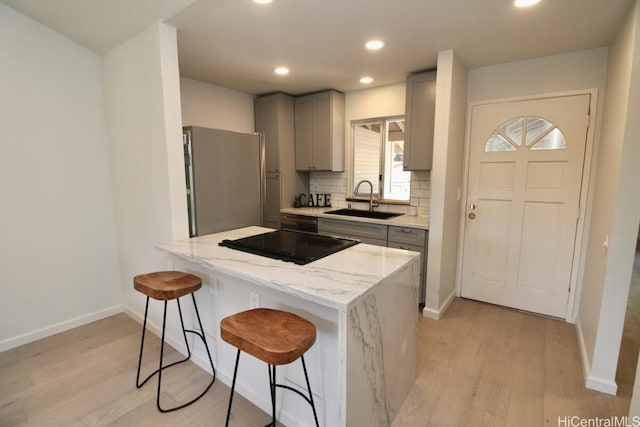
point(165, 286)
point(275, 337)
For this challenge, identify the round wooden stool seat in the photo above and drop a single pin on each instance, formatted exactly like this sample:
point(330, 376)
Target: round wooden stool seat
point(273, 336)
point(166, 285)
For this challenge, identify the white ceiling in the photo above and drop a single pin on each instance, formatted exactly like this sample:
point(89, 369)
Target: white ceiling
point(237, 43)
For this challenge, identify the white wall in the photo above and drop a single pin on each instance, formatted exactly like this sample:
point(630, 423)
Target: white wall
point(212, 106)
point(446, 182)
point(58, 256)
point(142, 103)
point(616, 213)
point(584, 69)
point(375, 102)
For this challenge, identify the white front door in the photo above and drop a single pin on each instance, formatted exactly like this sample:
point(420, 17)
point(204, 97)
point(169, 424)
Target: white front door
point(525, 172)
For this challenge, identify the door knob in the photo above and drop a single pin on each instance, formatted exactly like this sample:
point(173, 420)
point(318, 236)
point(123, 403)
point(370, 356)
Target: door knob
point(472, 215)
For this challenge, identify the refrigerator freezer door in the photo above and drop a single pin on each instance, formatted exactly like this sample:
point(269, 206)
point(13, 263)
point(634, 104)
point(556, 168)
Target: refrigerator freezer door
point(228, 184)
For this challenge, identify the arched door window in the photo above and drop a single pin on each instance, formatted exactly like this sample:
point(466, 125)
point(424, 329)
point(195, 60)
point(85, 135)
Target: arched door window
point(528, 132)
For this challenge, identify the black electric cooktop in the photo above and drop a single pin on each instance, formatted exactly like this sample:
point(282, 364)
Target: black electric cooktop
point(291, 246)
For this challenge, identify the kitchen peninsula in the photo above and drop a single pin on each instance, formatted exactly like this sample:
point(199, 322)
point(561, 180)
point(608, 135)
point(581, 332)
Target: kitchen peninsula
point(362, 301)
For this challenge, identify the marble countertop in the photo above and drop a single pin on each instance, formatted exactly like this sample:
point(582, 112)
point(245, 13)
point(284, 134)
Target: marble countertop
point(337, 281)
point(412, 221)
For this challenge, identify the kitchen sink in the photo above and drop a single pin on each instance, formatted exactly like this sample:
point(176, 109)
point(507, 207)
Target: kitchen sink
point(364, 214)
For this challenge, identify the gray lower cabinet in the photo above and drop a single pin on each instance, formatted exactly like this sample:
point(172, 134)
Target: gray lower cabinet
point(413, 239)
point(407, 235)
point(372, 234)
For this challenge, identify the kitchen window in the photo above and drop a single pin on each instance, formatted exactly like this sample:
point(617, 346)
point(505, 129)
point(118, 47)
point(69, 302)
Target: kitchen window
point(378, 151)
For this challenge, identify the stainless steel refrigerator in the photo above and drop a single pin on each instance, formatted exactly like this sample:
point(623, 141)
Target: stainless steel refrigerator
point(225, 179)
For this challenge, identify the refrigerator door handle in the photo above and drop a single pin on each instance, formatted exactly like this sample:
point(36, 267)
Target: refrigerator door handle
point(263, 177)
point(191, 201)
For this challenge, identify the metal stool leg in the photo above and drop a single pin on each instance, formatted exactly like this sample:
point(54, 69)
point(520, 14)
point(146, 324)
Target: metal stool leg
point(184, 331)
point(144, 328)
point(164, 321)
point(306, 377)
point(233, 386)
point(161, 367)
point(309, 399)
point(206, 346)
point(272, 389)
point(204, 341)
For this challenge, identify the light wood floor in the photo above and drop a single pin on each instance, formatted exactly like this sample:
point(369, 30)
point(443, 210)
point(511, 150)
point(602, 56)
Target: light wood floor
point(630, 346)
point(484, 365)
point(86, 377)
point(480, 365)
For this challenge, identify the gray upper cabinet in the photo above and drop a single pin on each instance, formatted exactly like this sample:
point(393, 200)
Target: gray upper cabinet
point(419, 121)
point(304, 132)
point(274, 118)
point(319, 132)
point(270, 115)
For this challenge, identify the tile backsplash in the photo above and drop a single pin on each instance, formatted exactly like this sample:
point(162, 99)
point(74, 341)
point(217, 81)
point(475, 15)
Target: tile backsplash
point(335, 183)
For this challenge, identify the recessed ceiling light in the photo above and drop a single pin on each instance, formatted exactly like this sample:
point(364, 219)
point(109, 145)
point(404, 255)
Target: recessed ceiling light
point(366, 80)
point(281, 71)
point(262, 1)
point(374, 44)
point(525, 3)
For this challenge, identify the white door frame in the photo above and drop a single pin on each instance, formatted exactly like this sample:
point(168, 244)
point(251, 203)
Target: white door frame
point(579, 252)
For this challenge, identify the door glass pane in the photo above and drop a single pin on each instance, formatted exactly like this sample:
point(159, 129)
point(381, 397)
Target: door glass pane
point(513, 130)
point(366, 155)
point(397, 181)
point(536, 126)
point(554, 140)
point(496, 142)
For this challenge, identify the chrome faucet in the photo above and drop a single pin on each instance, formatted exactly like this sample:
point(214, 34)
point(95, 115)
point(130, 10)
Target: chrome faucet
point(372, 203)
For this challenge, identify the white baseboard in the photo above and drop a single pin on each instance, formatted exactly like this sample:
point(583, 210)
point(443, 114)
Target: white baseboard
point(45, 332)
point(591, 381)
point(586, 368)
point(437, 314)
point(602, 385)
